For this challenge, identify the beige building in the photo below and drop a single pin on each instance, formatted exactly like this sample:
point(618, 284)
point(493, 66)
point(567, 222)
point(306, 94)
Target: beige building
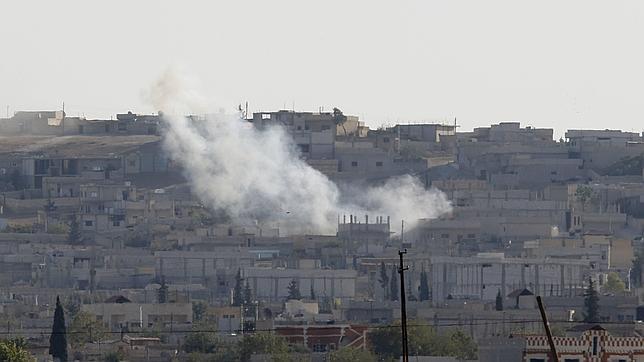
point(228, 319)
point(102, 206)
point(621, 254)
point(272, 284)
point(313, 133)
point(483, 276)
point(123, 313)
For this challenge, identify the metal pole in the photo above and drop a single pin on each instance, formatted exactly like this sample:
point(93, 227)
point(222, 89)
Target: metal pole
point(403, 307)
point(241, 318)
point(256, 313)
point(546, 325)
point(402, 233)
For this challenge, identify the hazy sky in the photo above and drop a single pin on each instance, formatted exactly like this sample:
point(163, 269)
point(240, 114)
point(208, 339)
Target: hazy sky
point(562, 64)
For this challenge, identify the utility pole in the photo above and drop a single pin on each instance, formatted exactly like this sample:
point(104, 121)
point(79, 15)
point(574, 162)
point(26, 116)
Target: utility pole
point(546, 326)
point(403, 306)
point(402, 233)
point(241, 318)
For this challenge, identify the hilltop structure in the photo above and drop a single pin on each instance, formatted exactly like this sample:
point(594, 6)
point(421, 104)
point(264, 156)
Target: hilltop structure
point(98, 212)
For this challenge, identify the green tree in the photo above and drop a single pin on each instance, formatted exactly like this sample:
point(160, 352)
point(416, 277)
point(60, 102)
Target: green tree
point(84, 328)
point(162, 292)
point(348, 354)
point(591, 303)
point(112, 357)
point(294, 290)
point(423, 290)
point(422, 338)
point(248, 296)
point(393, 285)
point(199, 309)
point(72, 305)
point(499, 301)
point(584, 194)
point(636, 272)
point(338, 116)
point(58, 338)
point(386, 341)
point(238, 293)
point(14, 351)
point(614, 284)
point(384, 280)
point(457, 344)
point(423, 341)
point(74, 237)
point(263, 343)
point(201, 342)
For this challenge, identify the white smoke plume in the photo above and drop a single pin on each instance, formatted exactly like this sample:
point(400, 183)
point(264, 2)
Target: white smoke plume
point(257, 175)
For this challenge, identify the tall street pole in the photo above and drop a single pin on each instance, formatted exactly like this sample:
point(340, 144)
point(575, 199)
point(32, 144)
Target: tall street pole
point(403, 307)
point(546, 326)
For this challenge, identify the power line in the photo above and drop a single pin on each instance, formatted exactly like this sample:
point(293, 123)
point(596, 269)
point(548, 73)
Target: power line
point(479, 322)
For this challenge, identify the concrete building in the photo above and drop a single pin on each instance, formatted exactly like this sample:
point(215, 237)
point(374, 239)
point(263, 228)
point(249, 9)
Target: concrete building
point(483, 276)
point(325, 338)
point(227, 319)
point(596, 344)
point(603, 250)
point(362, 158)
point(606, 136)
point(507, 132)
point(313, 133)
point(509, 156)
point(58, 123)
point(612, 308)
point(445, 236)
point(423, 131)
point(103, 206)
point(272, 284)
point(74, 156)
point(34, 122)
point(421, 138)
point(364, 237)
point(119, 313)
point(351, 127)
point(600, 149)
point(214, 269)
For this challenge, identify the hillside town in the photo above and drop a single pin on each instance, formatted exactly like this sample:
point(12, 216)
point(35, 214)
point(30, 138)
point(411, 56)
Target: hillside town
point(101, 223)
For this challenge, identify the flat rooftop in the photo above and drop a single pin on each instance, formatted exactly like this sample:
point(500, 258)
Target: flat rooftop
point(72, 146)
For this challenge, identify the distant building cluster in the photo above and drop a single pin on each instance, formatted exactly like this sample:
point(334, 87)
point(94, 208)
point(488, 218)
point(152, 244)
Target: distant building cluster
point(97, 213)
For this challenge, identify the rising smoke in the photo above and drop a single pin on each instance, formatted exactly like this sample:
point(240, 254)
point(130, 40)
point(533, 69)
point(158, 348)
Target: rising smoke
point(257, 175)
